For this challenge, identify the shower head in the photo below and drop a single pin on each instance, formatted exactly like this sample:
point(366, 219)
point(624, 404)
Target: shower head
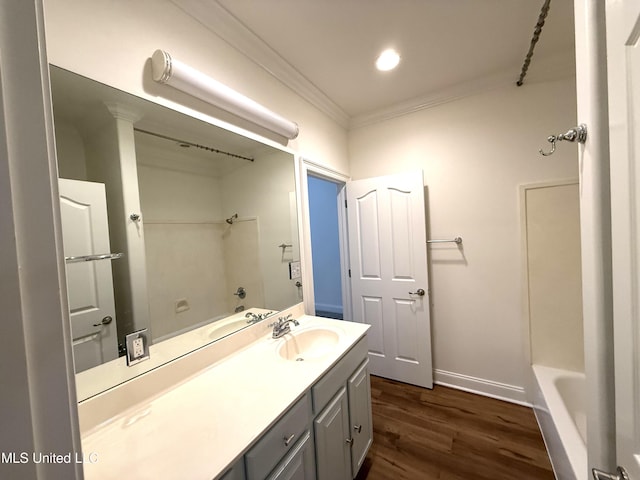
point(231, 218)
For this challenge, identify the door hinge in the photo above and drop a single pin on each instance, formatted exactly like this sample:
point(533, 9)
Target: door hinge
point(349, 273)
point(345, 203)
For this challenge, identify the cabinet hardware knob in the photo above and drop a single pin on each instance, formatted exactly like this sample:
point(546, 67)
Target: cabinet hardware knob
point(357, 428)
point(288, 440)
point(349, 441)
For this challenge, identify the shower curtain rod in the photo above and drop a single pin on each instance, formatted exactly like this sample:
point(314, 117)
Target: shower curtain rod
point(191, 144)
point(536, 36)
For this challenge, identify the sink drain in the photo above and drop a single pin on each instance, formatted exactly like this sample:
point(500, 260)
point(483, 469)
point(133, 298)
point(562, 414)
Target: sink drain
point(299, 359)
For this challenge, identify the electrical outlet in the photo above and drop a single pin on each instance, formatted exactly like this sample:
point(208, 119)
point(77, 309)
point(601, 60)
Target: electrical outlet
point(137, 347)
point(295, 270)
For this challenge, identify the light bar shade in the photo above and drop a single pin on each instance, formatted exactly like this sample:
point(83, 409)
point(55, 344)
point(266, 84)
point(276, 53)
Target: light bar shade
point(182, 77)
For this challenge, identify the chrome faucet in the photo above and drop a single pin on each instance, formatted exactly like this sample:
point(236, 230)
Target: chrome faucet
point(253, 318)
point(282, 327)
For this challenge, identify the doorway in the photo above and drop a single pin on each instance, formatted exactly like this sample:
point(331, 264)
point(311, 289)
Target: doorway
point(324, 220)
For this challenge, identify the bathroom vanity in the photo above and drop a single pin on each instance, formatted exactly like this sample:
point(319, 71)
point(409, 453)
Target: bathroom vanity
point(298, 406)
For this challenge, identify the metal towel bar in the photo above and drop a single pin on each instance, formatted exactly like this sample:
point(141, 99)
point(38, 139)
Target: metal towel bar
point(91, 258)
point(457, 240)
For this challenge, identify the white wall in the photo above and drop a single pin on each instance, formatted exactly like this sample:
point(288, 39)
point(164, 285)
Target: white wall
point(111, 41)
point(475, 152)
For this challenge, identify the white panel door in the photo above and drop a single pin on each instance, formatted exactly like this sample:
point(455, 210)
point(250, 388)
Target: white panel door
point(388, 257)
point(85, 231)
point(623, 62)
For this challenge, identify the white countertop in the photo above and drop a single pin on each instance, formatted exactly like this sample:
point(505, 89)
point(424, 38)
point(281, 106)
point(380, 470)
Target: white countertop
point(115, 372)
point(198, 428)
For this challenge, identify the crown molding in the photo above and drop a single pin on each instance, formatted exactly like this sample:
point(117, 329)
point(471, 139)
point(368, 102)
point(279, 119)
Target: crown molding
point(553, 67)
point(445, 95)
point(222, 23)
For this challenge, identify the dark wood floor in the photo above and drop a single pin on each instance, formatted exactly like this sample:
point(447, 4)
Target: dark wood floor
point(447, 434)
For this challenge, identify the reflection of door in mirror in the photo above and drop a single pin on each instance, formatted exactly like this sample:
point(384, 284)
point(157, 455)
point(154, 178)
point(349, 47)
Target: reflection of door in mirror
point(85, 231)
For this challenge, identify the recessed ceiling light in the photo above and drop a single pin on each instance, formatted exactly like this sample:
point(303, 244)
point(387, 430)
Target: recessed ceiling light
point(388, 60)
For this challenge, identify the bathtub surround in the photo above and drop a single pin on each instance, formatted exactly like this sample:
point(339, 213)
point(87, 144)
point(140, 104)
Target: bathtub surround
point(185, 260)
point(552, 274)
point(553, 301)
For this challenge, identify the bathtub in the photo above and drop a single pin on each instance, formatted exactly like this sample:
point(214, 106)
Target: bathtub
point(559, 405)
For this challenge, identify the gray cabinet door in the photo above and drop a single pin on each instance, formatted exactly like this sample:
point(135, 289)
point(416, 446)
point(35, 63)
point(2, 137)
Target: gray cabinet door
point(361, 429)
point(333, 439)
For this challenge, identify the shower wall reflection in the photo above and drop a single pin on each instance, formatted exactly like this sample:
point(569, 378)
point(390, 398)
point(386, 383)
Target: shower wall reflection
point(196, 260)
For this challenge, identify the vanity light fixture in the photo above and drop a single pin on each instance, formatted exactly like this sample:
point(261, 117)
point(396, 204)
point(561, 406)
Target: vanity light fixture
point(388, 60)
point(182, 77)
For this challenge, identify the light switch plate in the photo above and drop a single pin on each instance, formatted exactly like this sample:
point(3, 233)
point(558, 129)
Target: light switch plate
point(137, 346)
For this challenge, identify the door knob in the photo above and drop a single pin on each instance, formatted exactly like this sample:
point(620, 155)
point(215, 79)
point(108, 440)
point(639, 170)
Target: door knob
point(105, 321)
point(419, 292)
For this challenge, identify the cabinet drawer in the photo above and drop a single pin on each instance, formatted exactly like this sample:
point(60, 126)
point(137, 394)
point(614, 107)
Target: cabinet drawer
point(281, 438)
point(325, 389)
point(299, 463)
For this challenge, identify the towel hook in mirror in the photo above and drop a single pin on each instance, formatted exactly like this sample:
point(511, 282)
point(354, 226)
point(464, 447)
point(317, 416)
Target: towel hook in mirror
point(578, 133)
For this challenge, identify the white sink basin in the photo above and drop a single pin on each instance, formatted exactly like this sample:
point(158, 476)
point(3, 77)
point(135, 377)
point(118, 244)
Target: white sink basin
point(308, 344)
point(227, 327)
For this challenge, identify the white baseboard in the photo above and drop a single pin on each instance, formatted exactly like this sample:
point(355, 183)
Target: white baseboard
point(481, 386)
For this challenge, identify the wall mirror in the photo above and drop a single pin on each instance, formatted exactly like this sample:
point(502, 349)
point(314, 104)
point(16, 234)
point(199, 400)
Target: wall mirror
point(170, 224)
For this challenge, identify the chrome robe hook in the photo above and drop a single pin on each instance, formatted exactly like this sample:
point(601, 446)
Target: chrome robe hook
point(578, 133)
